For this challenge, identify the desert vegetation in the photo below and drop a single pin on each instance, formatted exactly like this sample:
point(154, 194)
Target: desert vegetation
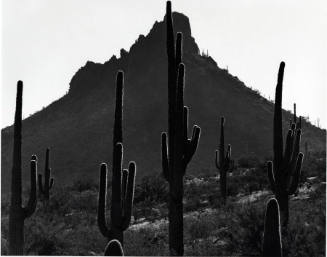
point(251, 207)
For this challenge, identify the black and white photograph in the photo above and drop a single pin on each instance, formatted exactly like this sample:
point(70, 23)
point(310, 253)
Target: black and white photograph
point(163, 128)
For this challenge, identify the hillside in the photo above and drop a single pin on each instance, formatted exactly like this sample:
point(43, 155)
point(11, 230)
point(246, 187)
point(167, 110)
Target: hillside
point(78, 127)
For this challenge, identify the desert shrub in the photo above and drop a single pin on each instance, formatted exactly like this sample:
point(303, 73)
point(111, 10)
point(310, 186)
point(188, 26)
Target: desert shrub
point(306, 237)
point(199, 228)
point(248, 162)
point(147, 242)
point(83, 185)
point(246, 229)
point(314, 165)
point(151, 188)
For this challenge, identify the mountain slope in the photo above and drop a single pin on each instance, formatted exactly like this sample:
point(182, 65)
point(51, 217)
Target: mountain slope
point(78, 127)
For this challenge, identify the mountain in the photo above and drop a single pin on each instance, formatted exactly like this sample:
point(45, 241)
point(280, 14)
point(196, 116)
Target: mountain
point(78, 127)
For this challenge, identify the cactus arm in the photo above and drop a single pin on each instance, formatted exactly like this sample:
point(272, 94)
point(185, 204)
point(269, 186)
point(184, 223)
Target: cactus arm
point(31, 205)
point(164, 156)
point(192, 146)
point(217, 160)
point(272, 243)
point(39, 179)
point(179, 100)
point(271, 176)
point(124, 183)
point(102, 202)
point(51, 183)
point(288, 148)
point(278, 129)
point(294, 113)
point(294, 180)
point(185, 126)
point(179, 42)
point(231, 166)
point(296, 149)
point(129, 196)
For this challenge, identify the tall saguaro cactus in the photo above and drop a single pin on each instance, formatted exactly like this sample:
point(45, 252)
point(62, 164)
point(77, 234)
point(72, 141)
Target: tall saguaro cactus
point(122, 180)
point(48, 182)
point(223, 161)
point(179, 150)
point(17, 213)
point(285, 170)
point(272, 243)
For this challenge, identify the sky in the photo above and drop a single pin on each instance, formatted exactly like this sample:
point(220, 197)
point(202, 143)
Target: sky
point(45, 42)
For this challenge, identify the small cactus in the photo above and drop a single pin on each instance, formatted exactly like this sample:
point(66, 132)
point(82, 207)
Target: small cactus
point(113, 248)
point(17, 213)
point(272, 243)
point(285, 170)
point(223, 161)
point(48, 182)
point(123, 181)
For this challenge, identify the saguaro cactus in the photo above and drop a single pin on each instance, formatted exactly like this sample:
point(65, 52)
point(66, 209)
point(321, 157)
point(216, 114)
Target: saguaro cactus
point(223, 163)
point(122, 180)
point(114, 248)
point(48, 182)
point(285, 171)
point(180, 148)
point(272, 243)
point(17, 213)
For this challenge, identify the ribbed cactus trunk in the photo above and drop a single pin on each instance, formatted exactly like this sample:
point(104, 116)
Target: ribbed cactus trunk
point(272, 243)
point(180, 149)
point(17, 213)
point(224, 163)
point(285, 171)
point(44, 190)
point(122, 179)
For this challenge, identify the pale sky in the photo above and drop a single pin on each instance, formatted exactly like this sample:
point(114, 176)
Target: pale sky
point(45, 42)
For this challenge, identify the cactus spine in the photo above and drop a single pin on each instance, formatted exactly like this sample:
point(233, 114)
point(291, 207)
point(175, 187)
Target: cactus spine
point(285, 171)
point(48, 182)
point(114, 248)
point(179, 150)
point(122, 180)
point(17, 213)
point(272, 243)
point(223, 161)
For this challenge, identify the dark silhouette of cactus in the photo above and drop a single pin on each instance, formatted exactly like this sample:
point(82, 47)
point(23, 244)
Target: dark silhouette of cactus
point(272, 243)
point(297, 122)
point(285, 171)
point(114, 248)
point(44, 190)
point(223, 161)
point(180, 148)
point(122, 180)
point(17, 213)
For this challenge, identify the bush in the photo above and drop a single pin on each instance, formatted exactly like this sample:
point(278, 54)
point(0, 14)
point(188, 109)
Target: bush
point(248, 162)
point(151, 188)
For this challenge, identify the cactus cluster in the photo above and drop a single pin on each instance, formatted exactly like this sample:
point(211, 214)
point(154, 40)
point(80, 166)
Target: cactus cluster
point(44, 189)
point(179, 150)
point(17, 213)
point(122, 179)
point(223, 161)
point(285, 170)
